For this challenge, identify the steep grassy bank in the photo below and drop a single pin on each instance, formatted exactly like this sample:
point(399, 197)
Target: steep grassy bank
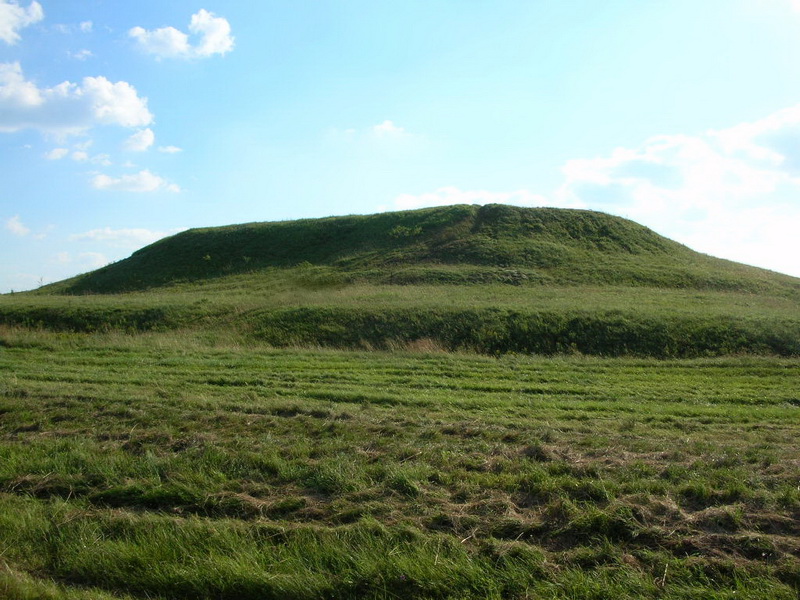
point(169, 465)
point(301, 307)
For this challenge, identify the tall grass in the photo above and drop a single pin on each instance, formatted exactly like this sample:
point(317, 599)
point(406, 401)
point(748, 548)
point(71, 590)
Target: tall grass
point(183, 465)
point(486, 318)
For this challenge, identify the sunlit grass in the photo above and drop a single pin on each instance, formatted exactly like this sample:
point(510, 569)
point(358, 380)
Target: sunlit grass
point(189, 465)
point(488, 318)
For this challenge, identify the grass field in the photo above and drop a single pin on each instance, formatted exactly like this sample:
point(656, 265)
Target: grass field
point(205, 464)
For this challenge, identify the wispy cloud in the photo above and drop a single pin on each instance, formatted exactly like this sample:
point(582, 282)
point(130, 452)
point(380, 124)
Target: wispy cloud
point(170, 149)
point(81, 54)
point(71, 29)
point(210, 35)
point(140, 141)
point(388, 129)
point(14, 17)
point(382, 133)
point(56, 153)
point(123, 238)
point(67, 108)
point(718, 192)
point(82, 260)
point(15, 226)
point(78, 154)
point(141, 182)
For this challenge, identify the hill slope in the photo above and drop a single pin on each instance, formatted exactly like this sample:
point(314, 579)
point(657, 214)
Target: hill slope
point(458, 244)
point(489, 279)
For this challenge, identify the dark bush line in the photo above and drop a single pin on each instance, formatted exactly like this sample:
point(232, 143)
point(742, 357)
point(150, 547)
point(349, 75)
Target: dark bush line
point(495, 331)
point(489, 330)
point(92, 320)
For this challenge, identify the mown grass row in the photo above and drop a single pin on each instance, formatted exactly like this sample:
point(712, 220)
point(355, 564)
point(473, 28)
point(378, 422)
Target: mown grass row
point(180, 465)
point(158, 556)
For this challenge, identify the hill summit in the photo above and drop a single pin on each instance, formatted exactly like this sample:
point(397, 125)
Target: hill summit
point(461, 244)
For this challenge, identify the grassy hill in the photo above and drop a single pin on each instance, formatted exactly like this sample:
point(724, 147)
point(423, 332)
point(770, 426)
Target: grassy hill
point(458, 244)
point(491, 279)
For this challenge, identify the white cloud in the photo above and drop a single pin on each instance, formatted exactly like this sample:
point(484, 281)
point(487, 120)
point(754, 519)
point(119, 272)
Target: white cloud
point(78, 154)
point(211, 35)
point(101, 159)
point(386, 134)
point(56, 153)
point(448, 196)
point(15, 91)
point(71, 29)
point(140, 141)
point(388, 129)
point(92, 260)
point(67, 108)
point(214, 32)
point(166, 42)
point(126, 238)
point(115, 103)
point(15, 226)
point(84, 260)
point(14, 17)
point(729, 193)
point(81, 54)
point(170, 149)
point(143, 181)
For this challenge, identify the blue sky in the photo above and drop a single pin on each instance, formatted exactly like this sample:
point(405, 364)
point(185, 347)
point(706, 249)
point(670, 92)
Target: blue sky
point(122, 122)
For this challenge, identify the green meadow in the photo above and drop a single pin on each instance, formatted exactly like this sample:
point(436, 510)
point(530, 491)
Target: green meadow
point(453, 403)
point(172, 465)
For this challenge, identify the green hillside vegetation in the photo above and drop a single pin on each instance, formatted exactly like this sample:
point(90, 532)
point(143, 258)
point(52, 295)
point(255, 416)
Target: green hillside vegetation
point(491, 279)
point(457, 245)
